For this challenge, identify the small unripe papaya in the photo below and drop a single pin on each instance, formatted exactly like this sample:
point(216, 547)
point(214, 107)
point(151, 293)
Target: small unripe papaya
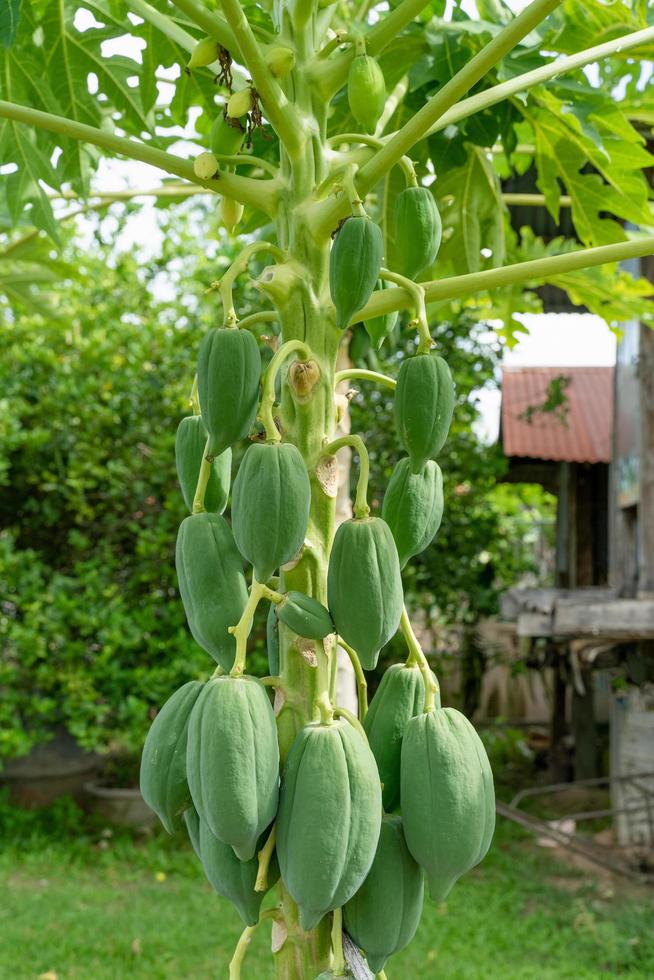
point(229, 368)
point(204, 53)
point(205, 166)
point(366, 91)
point(231, 212)
point(240, 103)
point(364, 586)
point(280, 60)
point(418, 230)
point(423, 406)
point(224, 138)
point(354, 264)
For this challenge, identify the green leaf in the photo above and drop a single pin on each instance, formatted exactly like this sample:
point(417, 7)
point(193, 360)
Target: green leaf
point(565, 145)
point(469, 199)
point(9, 16)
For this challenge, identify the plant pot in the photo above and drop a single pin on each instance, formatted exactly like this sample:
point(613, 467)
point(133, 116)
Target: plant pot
point(118, 806)
point(56, 768)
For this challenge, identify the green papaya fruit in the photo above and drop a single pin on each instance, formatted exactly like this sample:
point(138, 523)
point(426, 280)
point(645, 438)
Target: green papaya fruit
point(399, 697)
point(418, 230)
point(329, 818)
point(211, 583)
point(447, 796)
point(190, 440)
point(366, 91)
point(354, 264)
point(424, 404)
point(364, 586)
point(305, 616)
point(272, 641)
point(226, 136)
point(383, 916)
point(232, 761)
point(413, 507)
point(270, 506)
point(231, 878)
point(229, 369)
point(163, 761)
point(204, 53)
point(379, 327)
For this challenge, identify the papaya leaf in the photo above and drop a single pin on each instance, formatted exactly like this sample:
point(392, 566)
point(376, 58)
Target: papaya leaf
point(470, 202)
point(9, 16)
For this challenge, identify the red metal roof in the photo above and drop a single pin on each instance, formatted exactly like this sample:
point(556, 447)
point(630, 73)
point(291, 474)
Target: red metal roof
point(578, 433)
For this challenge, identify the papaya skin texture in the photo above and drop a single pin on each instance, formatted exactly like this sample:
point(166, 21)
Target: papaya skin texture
point(231, 878)
point(233, 761)
point(447, 797)
point(272, 480)
point(383, 916)
point(423, 407)
point(190, 442)
point(211, 583)
point(163, 762)
point(399, 698)
point(354, 264)
point(229, 369)
point(413, 507)
point(329, 818)
point(364, 586)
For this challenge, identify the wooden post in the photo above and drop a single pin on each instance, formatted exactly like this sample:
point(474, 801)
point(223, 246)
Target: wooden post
point(646, 503)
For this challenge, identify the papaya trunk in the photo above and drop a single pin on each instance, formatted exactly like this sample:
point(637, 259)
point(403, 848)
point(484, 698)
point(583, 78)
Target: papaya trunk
point(300, 289)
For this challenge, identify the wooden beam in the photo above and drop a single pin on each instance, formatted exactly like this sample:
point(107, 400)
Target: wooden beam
point(621, 618)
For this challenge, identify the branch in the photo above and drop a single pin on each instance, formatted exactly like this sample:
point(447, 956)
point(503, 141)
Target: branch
point(497, 93)
point(165, 24)
point(534, 200)
point(328, 213)
point(213, 24)
point(387, 300)
point(258, 193)
point(279, 111)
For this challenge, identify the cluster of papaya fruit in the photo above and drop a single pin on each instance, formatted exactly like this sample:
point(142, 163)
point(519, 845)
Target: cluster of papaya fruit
point(211, 758)
point(362, 810)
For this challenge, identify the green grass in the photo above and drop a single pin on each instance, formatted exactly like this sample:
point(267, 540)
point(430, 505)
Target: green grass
point(94, 908)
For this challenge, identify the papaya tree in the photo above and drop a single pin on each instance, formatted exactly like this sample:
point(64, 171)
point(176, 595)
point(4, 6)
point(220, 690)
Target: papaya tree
point(319, 127)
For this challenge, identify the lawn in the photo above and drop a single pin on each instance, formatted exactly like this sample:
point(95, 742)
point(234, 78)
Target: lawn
point(95, 906)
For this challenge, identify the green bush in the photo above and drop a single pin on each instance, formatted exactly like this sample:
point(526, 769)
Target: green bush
point(92, 632)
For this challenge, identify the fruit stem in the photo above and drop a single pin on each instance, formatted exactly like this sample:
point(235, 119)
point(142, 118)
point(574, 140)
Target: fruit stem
point(268, 389)
point(203, 479)
point(364, 375)
point(351, 720)
point(362, 683)
point(240, 951)
point(417, 292)
point(323, 706)
point(335, 42)
point(264, 856)
point(238, 266)
point(243, 628)
point(361, 509)
point(338, 968)
point(263, 316)
point(416, 656)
